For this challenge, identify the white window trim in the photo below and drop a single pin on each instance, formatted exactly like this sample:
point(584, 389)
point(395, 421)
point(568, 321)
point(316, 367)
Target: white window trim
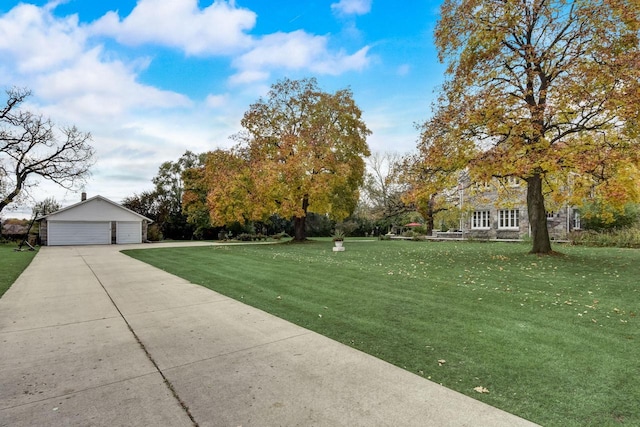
point(512, 219)
point(577, 220)
point(482, 217)
point(513, 181)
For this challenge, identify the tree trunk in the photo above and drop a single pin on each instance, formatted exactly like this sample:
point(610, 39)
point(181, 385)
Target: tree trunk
point(537, 216)
point(11, 196)
point(299, 226)
point(300, 223)
point(430, 214)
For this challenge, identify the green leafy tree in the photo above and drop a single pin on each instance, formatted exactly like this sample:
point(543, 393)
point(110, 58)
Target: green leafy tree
point(301, 151)
point(598, 217)
point(194, 200)
point(538, 89)
point(169, 192)
point(144, 203)
point(163, 204)
point(47, 206)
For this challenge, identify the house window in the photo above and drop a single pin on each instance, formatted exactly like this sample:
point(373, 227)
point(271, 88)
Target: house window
point(513, 181)
point(481, 220)
point(576, 220)
point(509, 218)
point(550, 215)
point(482, 186)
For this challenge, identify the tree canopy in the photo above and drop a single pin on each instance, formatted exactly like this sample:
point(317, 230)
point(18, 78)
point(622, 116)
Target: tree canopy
point(46, 207)
point(32, 146)
point(544, 90)
point(301, 150)
point(163, 204)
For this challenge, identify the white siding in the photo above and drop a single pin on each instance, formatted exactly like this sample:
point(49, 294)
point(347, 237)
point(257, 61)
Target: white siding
point(128, 232)
point(96, 209)
point(78, 233)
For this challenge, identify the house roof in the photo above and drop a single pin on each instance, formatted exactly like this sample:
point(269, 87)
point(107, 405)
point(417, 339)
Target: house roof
point(104, 199)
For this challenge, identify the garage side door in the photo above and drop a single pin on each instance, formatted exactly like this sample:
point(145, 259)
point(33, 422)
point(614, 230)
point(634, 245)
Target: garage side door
point(78, 233)
point(128, 232)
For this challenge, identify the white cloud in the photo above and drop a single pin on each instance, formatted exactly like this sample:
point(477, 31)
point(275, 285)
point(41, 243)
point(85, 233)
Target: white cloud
point(404, 70)
point(93, 89)
point(35, 41)
point(352, 7)
point(217, 29)
point(216, 101)
point(137, 126)
point(295, 51)
point(248, 76)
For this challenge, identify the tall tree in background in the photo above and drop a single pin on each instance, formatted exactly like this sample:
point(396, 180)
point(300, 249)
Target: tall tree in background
point(301, 151)
point(145, 203)
point(32, 146)
point(169, 191)
point(382, 188)
point(47, 206)
point(430, 190)
point(194, 198)
point(163, 204)
point(540, 89)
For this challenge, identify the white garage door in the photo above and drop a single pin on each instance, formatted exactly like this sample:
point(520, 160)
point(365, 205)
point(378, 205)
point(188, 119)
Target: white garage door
point(128, 232)
point(78, 233)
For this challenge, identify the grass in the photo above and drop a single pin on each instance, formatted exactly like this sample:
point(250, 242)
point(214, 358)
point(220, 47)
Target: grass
point(12, 264)
point(554, 340)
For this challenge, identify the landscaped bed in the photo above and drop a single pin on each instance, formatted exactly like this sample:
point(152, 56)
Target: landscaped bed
point(552, 339)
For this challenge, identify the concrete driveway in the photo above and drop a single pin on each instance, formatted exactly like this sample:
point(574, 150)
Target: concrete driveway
point(91, 337)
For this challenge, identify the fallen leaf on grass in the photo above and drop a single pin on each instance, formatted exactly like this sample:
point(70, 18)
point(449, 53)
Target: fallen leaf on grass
point(441, 362)
point(481, 389)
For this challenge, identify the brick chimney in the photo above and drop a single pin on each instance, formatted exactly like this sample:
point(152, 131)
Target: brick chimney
point(83, 197)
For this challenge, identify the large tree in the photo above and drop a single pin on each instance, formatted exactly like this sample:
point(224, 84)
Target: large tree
point(544, 90)
point(32, 146)
point(163, 204)
point(169, 191)
point(301, 151)
point(382, 188)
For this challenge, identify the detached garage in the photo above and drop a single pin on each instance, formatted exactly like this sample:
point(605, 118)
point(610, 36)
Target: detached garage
point(96, 221)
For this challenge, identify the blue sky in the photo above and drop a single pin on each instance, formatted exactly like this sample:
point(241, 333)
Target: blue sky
point(153, 78)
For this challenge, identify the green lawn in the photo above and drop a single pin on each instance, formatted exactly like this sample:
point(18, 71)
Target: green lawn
point(12, 264)
point(553, 339)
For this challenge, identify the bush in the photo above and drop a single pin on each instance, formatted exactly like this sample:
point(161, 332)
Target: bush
point(154, 234)
point(422, 230)
point(627, 238)
point(244, 237)
point(600, 217)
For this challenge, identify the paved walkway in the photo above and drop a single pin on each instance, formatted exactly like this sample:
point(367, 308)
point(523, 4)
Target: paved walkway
point(89, 336)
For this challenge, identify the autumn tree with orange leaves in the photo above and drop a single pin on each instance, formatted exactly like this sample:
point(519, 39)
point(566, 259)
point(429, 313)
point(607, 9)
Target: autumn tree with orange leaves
point(302, 150)
point(544, 90)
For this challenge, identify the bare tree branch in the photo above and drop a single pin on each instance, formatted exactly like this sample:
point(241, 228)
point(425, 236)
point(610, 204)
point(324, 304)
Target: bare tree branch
point(32, 146)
